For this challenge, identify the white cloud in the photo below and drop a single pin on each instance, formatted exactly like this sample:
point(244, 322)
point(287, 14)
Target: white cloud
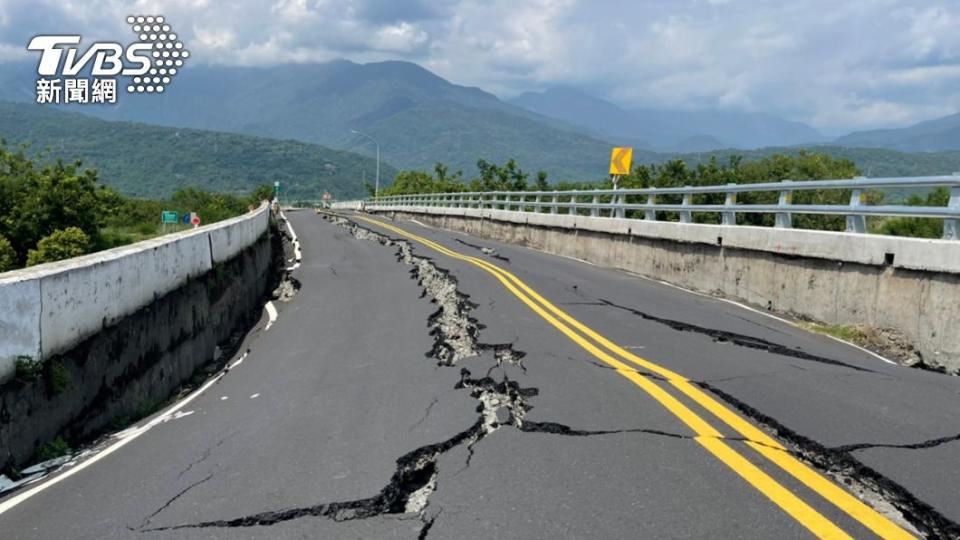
point(854, 63)
point(402, 37)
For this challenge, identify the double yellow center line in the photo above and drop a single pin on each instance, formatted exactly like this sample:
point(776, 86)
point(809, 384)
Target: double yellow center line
point(706, 435)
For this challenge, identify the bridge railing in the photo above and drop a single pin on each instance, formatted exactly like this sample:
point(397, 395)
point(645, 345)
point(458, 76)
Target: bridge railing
point(614, 203)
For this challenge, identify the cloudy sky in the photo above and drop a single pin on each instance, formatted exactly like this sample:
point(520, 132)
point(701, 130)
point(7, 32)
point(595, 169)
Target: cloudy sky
point(836, 64)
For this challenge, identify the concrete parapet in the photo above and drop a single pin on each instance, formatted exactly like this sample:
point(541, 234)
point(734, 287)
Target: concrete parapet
point(48, 309)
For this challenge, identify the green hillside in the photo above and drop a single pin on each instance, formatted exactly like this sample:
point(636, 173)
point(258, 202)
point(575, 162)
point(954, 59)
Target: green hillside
point(872, 162)
point(417, 117)
point(932, 135)
point(150, 161)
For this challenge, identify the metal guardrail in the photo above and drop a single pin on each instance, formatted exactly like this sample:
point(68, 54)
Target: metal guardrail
point(613, 203)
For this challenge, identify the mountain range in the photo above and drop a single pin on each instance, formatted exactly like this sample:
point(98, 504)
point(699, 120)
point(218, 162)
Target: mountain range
point(666, 130)
point(153, 161)
point(932, 135)
point(419, 118)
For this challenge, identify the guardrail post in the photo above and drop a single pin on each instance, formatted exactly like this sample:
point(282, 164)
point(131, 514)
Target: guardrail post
point(856, 224)
point(538, 200)
point(685, 215)
point(618, 210)
point(651, 214)
point(573, 205)
point(553, 206)
point(594, 212)
point(729, 217)
point(784, 220)
point(951, 227)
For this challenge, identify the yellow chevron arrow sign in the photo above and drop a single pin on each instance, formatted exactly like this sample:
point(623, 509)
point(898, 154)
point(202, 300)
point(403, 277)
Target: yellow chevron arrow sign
point(620, 160)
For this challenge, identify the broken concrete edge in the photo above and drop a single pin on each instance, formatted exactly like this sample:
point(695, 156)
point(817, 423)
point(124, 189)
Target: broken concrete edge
point(923, 254)
point(915, 303)
point(887, 344)
point(49, 308)
point(288, 285)
point(116, 381)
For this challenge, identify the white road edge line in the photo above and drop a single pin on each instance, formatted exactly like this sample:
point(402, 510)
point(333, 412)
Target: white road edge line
point(127, 436)
point(271, 314)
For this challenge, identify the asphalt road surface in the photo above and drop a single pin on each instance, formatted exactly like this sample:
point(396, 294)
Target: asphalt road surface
point(423, 383)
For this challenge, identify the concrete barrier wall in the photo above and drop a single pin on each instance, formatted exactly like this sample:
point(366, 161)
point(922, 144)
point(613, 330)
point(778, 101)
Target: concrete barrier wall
point(909, 284)
point(48, 309)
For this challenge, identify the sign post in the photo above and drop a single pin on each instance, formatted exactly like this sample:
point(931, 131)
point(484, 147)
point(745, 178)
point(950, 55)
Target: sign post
point(620, 159)
point(276, 191)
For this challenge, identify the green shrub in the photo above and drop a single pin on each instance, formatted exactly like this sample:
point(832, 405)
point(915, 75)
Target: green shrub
point(59, 377)
point(60, 245)
point(53, 449)
point(8, 257)
point(26, 369)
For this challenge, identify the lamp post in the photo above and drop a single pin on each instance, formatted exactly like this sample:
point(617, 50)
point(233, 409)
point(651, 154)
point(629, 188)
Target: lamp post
point(376, 189)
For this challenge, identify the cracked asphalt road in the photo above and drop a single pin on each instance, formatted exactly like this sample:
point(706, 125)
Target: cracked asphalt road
point(381, 413)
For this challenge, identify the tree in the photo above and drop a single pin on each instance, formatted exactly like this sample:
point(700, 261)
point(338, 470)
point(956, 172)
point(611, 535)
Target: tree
point(35, 202)
point(919, 227)
point(59, 245)
point(8, 257)
point(263, 192)
point(541, 181)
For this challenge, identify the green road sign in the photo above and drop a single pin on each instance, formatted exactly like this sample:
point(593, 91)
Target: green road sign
point(169, 217)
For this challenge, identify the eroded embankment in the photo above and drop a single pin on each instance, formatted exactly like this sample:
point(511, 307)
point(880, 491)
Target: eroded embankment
point(130, 368)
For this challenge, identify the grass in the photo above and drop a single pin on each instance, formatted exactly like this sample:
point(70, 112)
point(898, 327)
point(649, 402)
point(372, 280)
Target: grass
point(53, 449)
point(846, 332)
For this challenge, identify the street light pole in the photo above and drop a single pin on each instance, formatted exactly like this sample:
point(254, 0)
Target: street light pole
point(376, 189)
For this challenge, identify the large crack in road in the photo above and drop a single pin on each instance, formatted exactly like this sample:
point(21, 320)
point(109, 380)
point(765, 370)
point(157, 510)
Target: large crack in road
point(505, 403)
point(868, 484)
point(740, 340)
point(501, 403)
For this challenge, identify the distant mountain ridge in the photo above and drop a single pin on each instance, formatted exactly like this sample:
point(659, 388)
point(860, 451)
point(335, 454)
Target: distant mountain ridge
point(420, 119)
point(417, 117)
point(153, 161)
point(931, 135)
point(668, 130)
